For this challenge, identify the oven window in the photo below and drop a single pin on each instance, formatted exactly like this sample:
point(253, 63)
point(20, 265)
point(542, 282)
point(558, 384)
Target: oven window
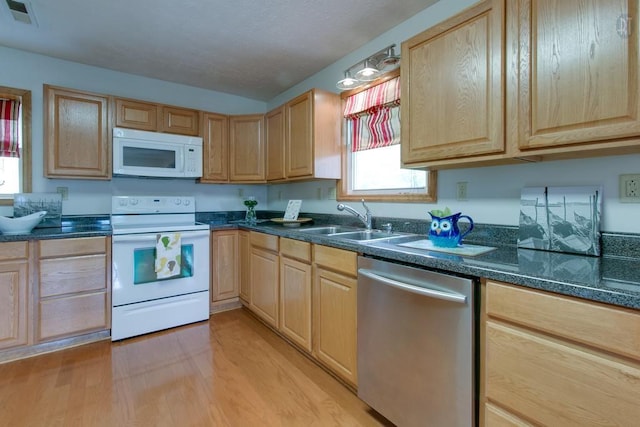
point(149, 157)
point(144, 263)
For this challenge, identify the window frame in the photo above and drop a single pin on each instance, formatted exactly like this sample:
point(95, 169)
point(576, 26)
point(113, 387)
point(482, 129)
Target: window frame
point(24, 96)
point(343, 188)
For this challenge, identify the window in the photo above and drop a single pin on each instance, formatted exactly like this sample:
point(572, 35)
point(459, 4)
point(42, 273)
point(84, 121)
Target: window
point(15, 139)
point(371, 152)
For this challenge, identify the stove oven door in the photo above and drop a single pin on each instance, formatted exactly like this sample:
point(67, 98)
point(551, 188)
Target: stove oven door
point(133, 268)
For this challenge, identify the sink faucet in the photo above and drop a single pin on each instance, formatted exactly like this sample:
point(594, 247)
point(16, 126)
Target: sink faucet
point(367, 218)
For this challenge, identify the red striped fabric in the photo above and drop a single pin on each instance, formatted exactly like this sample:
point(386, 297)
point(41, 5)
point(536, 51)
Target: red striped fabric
point(387, 93)
point(375, 116)
point(9, 128)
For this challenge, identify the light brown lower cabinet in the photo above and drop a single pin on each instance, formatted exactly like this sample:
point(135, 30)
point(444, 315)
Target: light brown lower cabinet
point(295, 291)
point(557, 360)
point(335, 297)
point(225, 273)
point(14, 294)
point(265, 271)
point(244, 249)
point(73, 296)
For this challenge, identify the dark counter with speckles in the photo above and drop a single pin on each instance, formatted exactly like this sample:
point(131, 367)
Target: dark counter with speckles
point(613, 278)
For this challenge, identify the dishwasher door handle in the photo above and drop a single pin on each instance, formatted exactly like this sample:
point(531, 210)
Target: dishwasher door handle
point(427, 292)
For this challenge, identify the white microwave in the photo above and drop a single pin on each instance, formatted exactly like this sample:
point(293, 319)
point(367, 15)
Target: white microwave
point(153, 154)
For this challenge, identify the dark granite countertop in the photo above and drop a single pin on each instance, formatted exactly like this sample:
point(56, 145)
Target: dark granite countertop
point(612, 278)
point(72, 226)
point(608, 279)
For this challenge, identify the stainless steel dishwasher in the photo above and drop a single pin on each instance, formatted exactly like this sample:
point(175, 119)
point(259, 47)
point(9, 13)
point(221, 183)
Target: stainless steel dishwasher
point(416, 344)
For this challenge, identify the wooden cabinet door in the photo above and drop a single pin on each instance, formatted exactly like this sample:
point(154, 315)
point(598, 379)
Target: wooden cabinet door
point(244, 266)
point(180, 120)
point(136, 114)
point(247, 150)
point(453, 87)
point(77, 134)
point(335, 322)
point(264, 285)
point(299, 136)
point(14, 309)
point(578, 72)
point(224, 265)
point(215, 153)
point(295, 301)
point(275, 135)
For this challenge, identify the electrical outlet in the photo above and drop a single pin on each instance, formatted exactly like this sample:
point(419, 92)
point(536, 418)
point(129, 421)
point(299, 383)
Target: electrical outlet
point(64, 191)
point(279, 194)
point(319, 193)
point(630, 188)
point(461, 190)
point(240, 192)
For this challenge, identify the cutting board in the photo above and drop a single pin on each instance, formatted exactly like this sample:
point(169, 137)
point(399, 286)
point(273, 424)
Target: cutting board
point(465, 250)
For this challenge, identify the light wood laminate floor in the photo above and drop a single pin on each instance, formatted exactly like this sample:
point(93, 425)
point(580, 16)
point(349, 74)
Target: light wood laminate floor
point(229, 371)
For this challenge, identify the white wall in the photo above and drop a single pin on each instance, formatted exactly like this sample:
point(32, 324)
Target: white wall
point(30, 71)
point(493, 192)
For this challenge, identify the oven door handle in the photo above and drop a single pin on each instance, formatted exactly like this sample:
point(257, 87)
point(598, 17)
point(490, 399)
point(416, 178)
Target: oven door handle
point(146, 237)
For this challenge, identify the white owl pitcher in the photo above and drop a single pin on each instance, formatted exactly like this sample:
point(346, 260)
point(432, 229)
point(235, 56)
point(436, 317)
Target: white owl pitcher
point(444, 231)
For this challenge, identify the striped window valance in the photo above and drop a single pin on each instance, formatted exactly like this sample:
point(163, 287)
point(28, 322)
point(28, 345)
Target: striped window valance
point(375, 116)
point(9, 128)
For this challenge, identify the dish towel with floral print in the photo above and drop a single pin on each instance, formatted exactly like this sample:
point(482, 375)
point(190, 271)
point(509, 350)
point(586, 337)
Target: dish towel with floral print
point(168, 248)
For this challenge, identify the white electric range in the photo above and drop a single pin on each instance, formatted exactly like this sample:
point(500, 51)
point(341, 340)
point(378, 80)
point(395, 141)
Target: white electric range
point(160, 264)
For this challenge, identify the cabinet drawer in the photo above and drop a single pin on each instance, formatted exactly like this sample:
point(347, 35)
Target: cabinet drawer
point(609, 328)
point(295, 249)
point(67, 247)
point(14, 250)
point(60, 276)
point(73, 315)
point(266, 241)
point(336, 259)
point(557, 384)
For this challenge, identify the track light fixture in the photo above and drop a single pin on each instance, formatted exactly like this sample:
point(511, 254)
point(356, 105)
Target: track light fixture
point(369, 68)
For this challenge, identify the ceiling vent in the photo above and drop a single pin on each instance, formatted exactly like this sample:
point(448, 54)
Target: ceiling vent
point(22, 12)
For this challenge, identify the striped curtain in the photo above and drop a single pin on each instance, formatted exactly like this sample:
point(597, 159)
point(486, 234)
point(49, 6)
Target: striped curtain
point(9, 128)
point(375, 116)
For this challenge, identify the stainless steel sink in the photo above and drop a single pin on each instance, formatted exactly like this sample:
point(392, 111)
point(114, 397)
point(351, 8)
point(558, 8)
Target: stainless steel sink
point(331, 229)
point(366, 236)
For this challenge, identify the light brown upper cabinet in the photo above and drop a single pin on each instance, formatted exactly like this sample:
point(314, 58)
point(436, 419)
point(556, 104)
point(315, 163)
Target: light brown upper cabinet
point(77, 135)
point(136, 114)
point(215, 150)
point(275, 132)
point(578, 74)
point(130, 113)
point(180, 120)
point(303, 139)
point(566, 85)
point(453, 88)
point(247, 148)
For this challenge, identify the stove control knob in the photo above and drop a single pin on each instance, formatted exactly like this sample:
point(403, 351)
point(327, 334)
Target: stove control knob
point(122, 202)
point(178, 202)
point(187, 202)
point(133, 202)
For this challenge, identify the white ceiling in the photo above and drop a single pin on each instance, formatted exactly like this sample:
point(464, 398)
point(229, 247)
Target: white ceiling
point(251, 48)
